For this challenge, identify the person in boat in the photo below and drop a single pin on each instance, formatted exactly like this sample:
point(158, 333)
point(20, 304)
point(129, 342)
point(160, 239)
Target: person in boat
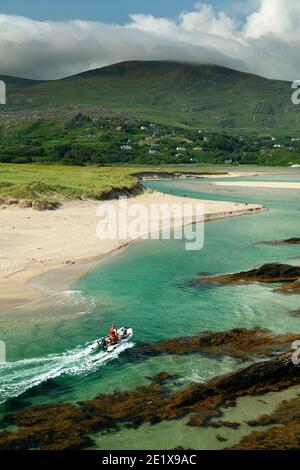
point(113, 335)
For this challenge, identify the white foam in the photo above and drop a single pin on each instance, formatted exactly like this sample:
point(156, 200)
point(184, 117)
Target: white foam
point(18, 377)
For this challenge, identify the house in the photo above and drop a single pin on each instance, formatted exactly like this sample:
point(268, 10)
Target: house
point(181, 149)
point(119, 128)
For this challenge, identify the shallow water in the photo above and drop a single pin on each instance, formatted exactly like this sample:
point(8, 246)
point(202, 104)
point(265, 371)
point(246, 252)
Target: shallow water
point(148, 287)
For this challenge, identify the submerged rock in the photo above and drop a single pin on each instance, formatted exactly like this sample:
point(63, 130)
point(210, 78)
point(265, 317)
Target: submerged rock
point(163, 378)
point(284, 433)
point(295, 313)
point(288, 241)
point(268, 273)
point(290, 288)
point(70, 426)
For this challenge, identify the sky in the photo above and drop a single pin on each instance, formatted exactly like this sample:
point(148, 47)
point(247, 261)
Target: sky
point(49, 40)
point(109, 11)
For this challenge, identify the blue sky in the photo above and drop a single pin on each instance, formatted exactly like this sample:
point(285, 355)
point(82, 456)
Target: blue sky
point(265, 42)
point(116, 11)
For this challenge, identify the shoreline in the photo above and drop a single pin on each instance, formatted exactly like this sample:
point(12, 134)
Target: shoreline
point(258, 184)
point(39, 247)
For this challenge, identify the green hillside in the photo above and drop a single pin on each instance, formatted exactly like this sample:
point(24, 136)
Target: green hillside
point(197, 96)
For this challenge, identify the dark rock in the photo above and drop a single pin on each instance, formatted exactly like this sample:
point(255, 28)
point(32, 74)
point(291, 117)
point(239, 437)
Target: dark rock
point(289, 241)
point(296, 314)
point(224, 424)
point(268, 273)
point(70, 426)
point(239, 343)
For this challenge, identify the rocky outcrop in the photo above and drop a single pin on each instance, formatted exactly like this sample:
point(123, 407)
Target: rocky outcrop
point(70, 426)
point(268, 273)
point(240, 343)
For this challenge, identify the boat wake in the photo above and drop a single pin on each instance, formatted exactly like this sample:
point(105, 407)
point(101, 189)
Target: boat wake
point(20, 376)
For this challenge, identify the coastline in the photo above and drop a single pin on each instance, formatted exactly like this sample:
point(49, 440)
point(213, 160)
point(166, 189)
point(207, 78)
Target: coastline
point(37, 253)
point(258, 184)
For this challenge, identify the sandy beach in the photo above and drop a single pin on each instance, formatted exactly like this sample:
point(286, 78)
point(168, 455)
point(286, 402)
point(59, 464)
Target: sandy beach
point(233, 174)
point(65, 241)
point(259, 184)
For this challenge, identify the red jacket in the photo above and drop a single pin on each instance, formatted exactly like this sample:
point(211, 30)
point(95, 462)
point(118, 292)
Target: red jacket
point(112, 332)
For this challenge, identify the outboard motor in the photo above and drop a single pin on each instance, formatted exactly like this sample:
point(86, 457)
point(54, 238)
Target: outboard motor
point(103, 344)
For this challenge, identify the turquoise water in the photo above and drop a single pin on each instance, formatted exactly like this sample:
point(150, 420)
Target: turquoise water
point(148, 287)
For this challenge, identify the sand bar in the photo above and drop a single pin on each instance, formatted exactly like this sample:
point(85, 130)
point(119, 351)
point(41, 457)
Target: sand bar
point(33, 243)
point(259, 184)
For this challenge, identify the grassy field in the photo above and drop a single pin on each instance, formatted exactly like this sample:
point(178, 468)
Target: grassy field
point(50, 185)
point(54, 184)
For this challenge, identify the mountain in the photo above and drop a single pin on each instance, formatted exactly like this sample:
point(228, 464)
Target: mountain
point(200, 96)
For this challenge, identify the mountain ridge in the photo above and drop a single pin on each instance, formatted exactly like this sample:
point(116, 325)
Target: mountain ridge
point(207, 96)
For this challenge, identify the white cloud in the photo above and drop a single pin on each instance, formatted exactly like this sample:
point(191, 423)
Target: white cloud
point(277, 18)
point(267, 43)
